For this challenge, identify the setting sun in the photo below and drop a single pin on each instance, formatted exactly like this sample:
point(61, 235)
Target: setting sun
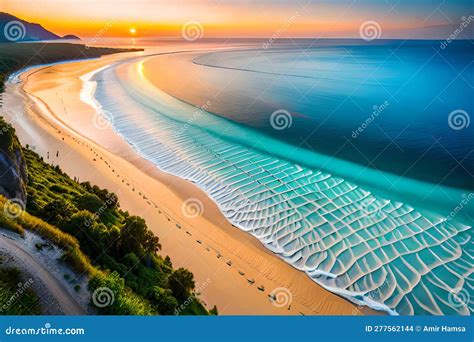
point(133, 31)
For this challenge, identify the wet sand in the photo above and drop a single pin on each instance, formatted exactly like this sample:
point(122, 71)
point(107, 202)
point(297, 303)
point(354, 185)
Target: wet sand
point(231, 268)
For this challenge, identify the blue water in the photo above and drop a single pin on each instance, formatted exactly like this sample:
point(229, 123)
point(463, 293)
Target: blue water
point(395, 248)
point(332, 88)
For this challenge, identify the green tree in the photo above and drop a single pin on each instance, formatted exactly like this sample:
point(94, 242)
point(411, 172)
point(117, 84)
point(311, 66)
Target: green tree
point(58, 212)
point(79, 224)
point(163, 300)
point(90, 202)
point(136, 238)
point(181, 282)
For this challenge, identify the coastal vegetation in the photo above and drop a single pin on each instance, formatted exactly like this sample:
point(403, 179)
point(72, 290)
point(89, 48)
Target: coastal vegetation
point(16, 298)
point(116, 249)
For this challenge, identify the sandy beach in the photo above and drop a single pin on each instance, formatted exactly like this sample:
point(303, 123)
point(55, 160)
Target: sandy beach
point(231, 268)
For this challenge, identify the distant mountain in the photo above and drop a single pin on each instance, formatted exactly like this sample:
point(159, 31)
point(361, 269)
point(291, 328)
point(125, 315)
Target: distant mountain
point(70, 36)
point(13, 29)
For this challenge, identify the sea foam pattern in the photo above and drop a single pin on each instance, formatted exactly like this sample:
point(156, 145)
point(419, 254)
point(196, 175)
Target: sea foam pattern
point(371, 250)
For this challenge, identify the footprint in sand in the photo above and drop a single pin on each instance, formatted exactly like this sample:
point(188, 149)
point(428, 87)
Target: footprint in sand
point(251, 281)
point(241, 273)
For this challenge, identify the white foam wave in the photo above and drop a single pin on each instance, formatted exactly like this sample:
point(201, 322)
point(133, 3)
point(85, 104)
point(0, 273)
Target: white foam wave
point(376, 252)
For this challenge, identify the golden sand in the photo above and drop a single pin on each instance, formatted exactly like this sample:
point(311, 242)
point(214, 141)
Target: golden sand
point(232, 269)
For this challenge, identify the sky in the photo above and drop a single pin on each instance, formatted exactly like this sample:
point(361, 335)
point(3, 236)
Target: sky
point(243, 18)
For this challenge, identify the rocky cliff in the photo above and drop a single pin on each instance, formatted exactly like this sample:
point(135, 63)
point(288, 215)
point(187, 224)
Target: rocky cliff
point(13, 174)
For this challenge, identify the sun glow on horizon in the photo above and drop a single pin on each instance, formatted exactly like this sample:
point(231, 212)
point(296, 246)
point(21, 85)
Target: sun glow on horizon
point(238, 18)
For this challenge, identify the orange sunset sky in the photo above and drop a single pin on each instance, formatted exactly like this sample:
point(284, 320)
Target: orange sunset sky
point(237, 18)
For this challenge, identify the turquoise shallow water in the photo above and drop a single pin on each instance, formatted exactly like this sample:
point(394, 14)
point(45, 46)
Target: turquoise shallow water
point(325, 216)
point(406, 89)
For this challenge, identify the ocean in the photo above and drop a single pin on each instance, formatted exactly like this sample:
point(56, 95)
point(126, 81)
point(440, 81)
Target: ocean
point(351, 161)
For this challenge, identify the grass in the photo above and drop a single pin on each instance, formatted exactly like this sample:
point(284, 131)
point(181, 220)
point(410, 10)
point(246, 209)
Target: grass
point(130, 275)
point(94, 217)
point(68, 243)
point(14, 299)
point(116, 250)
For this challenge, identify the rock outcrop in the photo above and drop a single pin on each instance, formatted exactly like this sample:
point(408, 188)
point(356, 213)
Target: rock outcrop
point(13, 173)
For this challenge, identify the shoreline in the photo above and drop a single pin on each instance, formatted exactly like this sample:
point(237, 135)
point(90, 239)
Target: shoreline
point(438, 200)
point(257, 263)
